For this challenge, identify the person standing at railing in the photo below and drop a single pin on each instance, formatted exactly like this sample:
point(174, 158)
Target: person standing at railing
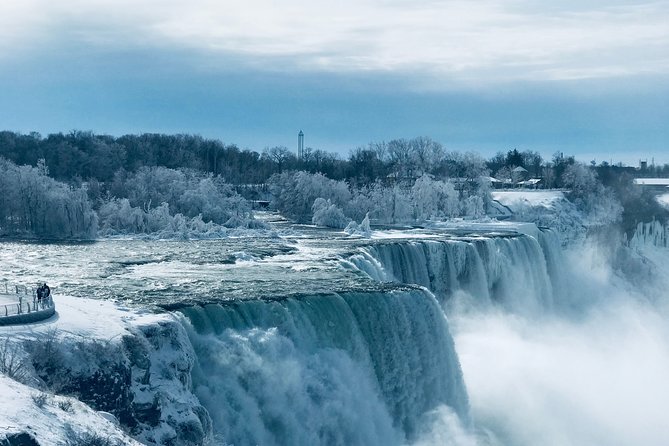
point(43, 294)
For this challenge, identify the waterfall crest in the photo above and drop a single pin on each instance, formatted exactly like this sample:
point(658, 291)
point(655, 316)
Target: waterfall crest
point(522, 273)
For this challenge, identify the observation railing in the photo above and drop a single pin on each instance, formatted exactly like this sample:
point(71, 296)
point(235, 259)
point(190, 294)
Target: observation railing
point(27, 307)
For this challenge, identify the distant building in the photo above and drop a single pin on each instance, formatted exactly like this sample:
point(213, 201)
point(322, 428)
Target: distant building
point(532, 183)
point(300, 145)
point(655, 185)
point(500, 183)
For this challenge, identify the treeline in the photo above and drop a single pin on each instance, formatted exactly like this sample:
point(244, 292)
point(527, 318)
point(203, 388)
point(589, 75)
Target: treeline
point(153, 201)
point(78, 156)
point(85, 156)
point(81, 184)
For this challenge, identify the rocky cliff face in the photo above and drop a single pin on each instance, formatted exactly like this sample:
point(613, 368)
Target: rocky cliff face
point(164, 410)
point(143, 378)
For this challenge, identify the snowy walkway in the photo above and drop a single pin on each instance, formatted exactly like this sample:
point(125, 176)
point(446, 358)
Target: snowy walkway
point(87, 318)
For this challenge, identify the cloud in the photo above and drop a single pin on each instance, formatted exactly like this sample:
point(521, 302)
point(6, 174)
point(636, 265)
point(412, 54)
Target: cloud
point(20, 22)
point(432, 41)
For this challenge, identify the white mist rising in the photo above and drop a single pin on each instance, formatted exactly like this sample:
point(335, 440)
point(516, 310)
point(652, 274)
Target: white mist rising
point(598, 376)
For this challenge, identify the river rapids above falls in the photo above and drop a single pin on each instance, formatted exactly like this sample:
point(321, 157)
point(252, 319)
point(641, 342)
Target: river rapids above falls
point(175, 273)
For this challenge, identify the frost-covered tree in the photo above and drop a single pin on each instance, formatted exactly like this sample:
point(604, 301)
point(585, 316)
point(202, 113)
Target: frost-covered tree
point(426, 199)
point(180, 201)
point(473, 207)
point(433, 199)
point(187, 192)
point(325, 213)
point(35, 205)
point(294, 193)
point(119, 217)
point(360, 204)
point(598, 203)
point(390, 204)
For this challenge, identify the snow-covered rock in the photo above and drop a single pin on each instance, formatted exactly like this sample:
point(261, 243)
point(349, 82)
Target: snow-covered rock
point(359, 230)
point(52, 420)
point(163, 406)
point(546, 209)
point(663, 200)
point(135, 367)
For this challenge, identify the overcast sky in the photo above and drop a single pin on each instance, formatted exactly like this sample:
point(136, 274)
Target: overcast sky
point(586, 77)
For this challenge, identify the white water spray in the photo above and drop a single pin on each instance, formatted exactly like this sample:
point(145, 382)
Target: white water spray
point(341, 369)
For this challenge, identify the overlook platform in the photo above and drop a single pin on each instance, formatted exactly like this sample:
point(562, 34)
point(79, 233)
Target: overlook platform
point(23, 307)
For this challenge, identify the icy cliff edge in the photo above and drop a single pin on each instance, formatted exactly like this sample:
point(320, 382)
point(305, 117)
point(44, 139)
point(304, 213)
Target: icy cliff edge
point(98, 364)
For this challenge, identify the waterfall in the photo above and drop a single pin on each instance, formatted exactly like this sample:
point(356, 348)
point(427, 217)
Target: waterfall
point(352, 368)
point(522, 273)
point(362, 367)
point(650, 234)
point(556, 264)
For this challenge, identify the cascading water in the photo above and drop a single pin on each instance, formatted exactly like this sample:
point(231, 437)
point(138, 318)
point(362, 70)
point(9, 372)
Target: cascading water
point(337, 369)
point(362, 367)
point(557, 272)
point(650, 234)
point(517, 271)
point(374, 362)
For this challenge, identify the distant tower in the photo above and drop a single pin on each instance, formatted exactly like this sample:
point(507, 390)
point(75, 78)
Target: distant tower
point(300, 145)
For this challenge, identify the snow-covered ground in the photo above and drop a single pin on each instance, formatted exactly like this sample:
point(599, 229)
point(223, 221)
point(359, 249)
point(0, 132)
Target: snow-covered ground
point(85, 327)
point(545, 198)
point(663, 200)
point(85, 317)
point(53, 419)
point(545, 208)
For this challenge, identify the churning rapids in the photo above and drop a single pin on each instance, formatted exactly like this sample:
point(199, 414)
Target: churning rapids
point(418, 337)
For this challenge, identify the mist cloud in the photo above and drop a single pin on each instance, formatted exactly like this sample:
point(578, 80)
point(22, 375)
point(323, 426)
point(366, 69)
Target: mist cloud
point(597, 377)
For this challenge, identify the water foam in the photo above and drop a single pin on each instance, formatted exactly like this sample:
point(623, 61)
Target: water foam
point(340, 369)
